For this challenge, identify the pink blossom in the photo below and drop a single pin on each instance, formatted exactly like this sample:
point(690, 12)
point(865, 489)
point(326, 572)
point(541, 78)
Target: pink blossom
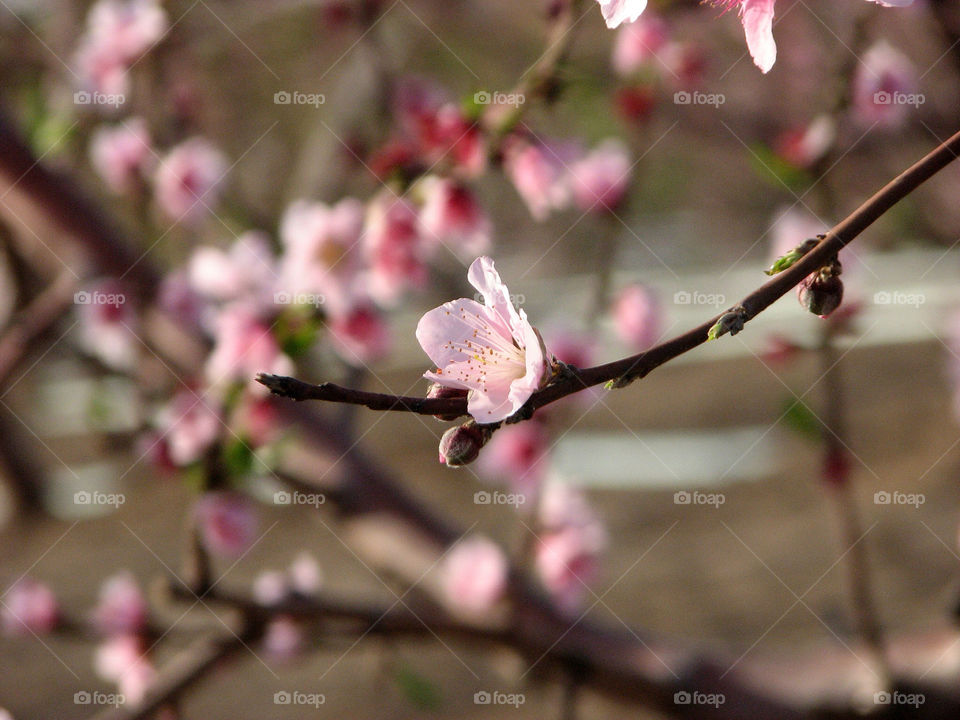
point(599, 180)
point(567, 564)
point(179, 300)
point(270, 587)
point(490, 349)
point(360, 335)
point(256, 419)
point(637, 44)
point(129, 27)
point(637, 317)
point(517, 454)
point(122, 154)
point(189, 178)
point(394, 248)
point(538, 172)
point(474, 574)
point(29, 607)
point(306, 576)
point(448, 136)
point(122, 659)
point(616, 12)
point(283, 638)
point(246, 271)
point(572, 347)
point(190, 424)
point(244, 347)
point(452, 216)
point(884, 82)
point(122, 607)
point(101, 69)
point(136, 681)
point(108, 324)
point(322, 250)
point(805, 145)
point(227, 521)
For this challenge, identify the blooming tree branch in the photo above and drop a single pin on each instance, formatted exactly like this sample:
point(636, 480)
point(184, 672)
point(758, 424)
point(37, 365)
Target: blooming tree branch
point(625, 370)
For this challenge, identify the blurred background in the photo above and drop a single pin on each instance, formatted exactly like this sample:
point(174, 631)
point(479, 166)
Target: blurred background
point(784, 498)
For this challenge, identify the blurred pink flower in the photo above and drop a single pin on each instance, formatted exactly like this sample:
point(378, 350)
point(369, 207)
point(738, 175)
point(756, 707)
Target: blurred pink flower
point(805, 145)
point(360, 335)
point(452, 216)
point(884, 86)
point(122, 607)
point(270, 587)
point(447, 136)
point(128, 27)
point(322, 250)
point(637, 317)
point(394, 248)
point(246, 271)
point(256, 419)
point(107, 323)
point(283, 638)
point(474, 574)
point(101, 69)
point(637, 44)
point(122, 154)
point(188, 181)
point(190, 424)
point(517, 454)
point(790, 227)
point(538, 172)
point(306, 576)
point(29, 607)
point(122, 659)
point(227, 522)
point(616, 12)
point(572, 347)
point(490, 349)
point(180, 301)
point(599, 180)
point(244, 346)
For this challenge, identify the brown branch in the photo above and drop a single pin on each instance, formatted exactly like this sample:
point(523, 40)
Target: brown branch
point(638, 366)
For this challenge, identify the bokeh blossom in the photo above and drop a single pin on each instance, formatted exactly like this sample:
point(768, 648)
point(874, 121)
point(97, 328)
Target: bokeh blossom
point(474, 574)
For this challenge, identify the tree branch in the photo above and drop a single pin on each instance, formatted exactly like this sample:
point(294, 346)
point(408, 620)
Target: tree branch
point(638, 366)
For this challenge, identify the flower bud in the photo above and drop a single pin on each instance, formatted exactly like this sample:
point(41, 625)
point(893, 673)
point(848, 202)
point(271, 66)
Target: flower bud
point(442, 392)
point(821, 293)
point(461, 445)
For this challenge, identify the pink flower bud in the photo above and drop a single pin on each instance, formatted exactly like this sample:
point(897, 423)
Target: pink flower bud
point(283, 639)
point(568, 563)
point(461, 445)
point(227, 522)
point(306, 576)
point(188, 180)
point(438, 391)
point(190, 425)
point(474, 574)
point(29, 608)
point(599, 181)
point(637, 45)
point(637, 317)
point(270, 587)
point(122, 607)
point(885, 87)
point(538, 172)
point(452, 216)
point(820, 293)
point(805, 145)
